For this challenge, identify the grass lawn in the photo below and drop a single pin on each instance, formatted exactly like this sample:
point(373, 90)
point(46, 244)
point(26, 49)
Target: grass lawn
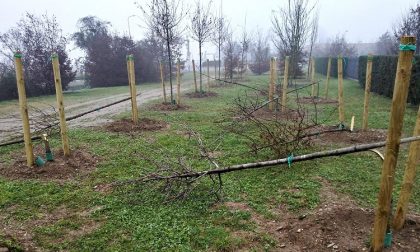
point(75, 216)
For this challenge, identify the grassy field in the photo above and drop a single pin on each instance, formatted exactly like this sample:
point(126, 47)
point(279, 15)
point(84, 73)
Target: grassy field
point(75, 216)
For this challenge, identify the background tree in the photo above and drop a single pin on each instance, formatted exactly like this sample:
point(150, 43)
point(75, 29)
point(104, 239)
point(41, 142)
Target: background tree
point(164, 18)
point(292, 26)
point(36, 37)
point(260, 54)
point(231, 51)
point(245, 42)
point(386, 45)
point(201, 30)
point(339, 46)
point(409, 25)
point(313, 36)
point(221, 32)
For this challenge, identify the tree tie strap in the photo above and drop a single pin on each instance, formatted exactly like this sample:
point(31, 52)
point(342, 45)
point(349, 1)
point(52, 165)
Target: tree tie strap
point(18, 55)
point(290, 160)
point(407, 47)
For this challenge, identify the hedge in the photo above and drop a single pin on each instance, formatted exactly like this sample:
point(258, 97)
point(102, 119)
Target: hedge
point(383, 76)
point(350, 66)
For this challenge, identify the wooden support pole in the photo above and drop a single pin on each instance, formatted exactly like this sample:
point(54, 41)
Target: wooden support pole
point(23, 105)
point(271, 86)
point(313, 77)
point(340, 89)
point(133, 91)
point(409, 176)
point(162, 78)
point(178, 81)
point(285, 84)
point(195, 77)
point(208, 75)
point(327, 83)
point(399, 102)
point(367, 91)
point(60, 104)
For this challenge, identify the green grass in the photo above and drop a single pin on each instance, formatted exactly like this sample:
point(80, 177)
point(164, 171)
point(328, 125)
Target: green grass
point(135, 218)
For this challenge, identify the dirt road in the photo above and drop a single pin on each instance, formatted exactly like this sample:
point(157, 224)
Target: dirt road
point(11, 124)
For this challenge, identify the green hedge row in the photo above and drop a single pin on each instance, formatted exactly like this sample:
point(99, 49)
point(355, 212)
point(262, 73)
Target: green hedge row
point(383, 76)
point(350, 66)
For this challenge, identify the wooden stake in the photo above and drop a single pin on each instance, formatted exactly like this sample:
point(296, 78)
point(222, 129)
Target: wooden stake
point(409, 176)
point(129, 83)
point(163, 83)
point(195, 78)
point(133, 91)
point(208, 75)
point(24, 109)
point(399, 102)
point(313, 77)
point(352, 124)
point(367, 92)
point(285, 83)
point(178, 80)
point(60, 104)
point(327, 84)
point(271, 86)
point(340, 89)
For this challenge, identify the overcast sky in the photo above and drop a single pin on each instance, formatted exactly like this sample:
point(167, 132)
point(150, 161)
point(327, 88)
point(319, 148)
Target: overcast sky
point(359, 20)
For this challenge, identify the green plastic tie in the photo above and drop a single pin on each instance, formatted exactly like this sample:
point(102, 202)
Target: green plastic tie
point(370, 57)
point(130, 57)
point(407, 47)
point(290, 160)
point(54, 56)
point(18, 55)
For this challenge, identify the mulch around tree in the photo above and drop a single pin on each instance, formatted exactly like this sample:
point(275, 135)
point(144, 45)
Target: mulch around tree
point(127, 126)
point(79, 163)
point(201, 94)
point(168, 107)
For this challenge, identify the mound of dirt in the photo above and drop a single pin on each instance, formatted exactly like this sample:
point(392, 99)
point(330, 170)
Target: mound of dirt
point(79, 163)
point(201, 95)
point(357, 136)
point(168, 107)
point(144, 124)
point(317, 100)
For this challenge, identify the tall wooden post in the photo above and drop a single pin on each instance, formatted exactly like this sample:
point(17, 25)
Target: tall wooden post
point(195, 77)
point(208, 75)
point(409, 176)
point(60, 104)
point(162, 77)
point(285, 83)
point(399, 102)
point(340, 89)
point(24, 109)
point(178, 81)
point(271, 86)
point(313, 77)
point(327, 84)
point(133, 91)
point(367, 91)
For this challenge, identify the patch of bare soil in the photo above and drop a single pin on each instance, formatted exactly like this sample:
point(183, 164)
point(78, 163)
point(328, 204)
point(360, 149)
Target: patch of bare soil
point(168, 107)
point(317, 100)
point(338, 224)
point(201, 94)
point(289, 114)
point(144, 124)
point(22, 233)
point(79, 163)
point(346, 137)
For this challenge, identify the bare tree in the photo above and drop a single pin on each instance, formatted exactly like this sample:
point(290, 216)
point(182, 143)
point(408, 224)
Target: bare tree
point(221, 32)
point(201, 29)
point(260, 54)
point(314, 36)
point(292, 26)
point(164, 18)
point(245, 42)
point(409, 24)
point(339, 46)
point(231, 52)
point(386, 45)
